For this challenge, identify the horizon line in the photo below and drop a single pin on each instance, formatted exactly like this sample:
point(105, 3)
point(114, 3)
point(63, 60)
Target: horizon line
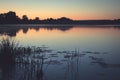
point(58, 17)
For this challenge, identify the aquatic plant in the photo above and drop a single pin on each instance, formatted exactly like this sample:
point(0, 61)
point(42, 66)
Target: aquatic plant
point(11, 52)
point(8, 50)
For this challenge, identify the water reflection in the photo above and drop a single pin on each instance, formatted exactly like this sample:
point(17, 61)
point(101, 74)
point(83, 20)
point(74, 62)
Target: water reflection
point(12, 30)
point(67, 65)
point(78, 53)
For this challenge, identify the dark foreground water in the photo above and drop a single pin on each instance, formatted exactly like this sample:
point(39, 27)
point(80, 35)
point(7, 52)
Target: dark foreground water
point(74, 52)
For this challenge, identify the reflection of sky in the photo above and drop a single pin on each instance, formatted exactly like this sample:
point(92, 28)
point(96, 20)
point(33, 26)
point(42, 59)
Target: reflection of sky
point(80, 38)
point(103, 39)
point(75, 9)
point(86, 38)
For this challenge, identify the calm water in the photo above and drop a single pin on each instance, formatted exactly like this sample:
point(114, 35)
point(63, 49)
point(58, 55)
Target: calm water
point(78, 52)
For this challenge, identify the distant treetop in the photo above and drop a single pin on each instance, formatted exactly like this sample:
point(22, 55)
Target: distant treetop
point(12, 18)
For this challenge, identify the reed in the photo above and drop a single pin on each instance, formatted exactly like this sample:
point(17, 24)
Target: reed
point(8, 50)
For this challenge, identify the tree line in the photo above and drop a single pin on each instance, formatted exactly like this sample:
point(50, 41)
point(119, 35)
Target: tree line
point(11, 18)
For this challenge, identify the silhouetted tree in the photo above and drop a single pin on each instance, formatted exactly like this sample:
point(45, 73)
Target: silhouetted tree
point(24, 19)
point(2, 18)
point(12, 18)
point(9, 17)
point(36, 20)
point(64, 20)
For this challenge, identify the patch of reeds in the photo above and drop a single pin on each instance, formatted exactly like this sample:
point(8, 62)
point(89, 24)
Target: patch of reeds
point(10, 50)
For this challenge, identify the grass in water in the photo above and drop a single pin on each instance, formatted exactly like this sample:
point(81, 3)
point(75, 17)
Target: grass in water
point(8, 50)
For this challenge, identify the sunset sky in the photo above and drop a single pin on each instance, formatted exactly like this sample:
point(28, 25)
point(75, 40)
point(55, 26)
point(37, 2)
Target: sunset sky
point(74, 9)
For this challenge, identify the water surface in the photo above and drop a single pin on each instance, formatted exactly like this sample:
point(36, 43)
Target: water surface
point(78, 52)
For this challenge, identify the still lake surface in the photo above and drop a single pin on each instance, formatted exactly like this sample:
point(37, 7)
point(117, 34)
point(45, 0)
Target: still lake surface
point(86, 52)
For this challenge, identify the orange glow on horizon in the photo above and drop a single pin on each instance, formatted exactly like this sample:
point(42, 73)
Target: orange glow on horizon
point(73, 17)
point(45, 15)
point(73, 9)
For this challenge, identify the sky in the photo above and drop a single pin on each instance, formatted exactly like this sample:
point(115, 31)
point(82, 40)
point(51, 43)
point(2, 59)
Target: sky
point(74, 9)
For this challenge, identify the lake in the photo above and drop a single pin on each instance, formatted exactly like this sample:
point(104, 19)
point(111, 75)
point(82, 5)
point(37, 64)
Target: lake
point(78, 52)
